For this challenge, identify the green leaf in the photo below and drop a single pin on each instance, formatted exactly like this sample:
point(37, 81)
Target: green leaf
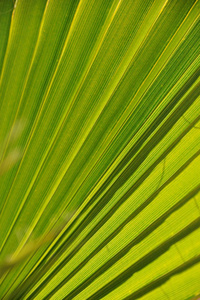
point(99, 149)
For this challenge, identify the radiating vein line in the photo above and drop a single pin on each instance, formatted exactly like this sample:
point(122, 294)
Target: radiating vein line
point(35, 220)
point(138, 265)
point(9, 51)
point(160, 58)
point(117, 231)
point(112, 168)
point(59, 127)
point(126, 160)
point(97, 208)
point(40, 165)
point(164, 278)
point(38, 216)
point(113, 234)
point(26, 80)
point(5, 41)
point(122, 117)
point(32, 128)
point(68, 242)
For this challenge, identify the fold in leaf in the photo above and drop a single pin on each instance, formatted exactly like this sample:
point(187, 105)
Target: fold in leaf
point(99, 149)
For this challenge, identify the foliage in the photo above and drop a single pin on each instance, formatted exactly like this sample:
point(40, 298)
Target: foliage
point(99, 136)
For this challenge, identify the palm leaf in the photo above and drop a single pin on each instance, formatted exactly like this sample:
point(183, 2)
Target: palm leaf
point(99, 135)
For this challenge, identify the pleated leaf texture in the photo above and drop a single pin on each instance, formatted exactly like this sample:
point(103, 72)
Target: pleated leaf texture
point(99, 149)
